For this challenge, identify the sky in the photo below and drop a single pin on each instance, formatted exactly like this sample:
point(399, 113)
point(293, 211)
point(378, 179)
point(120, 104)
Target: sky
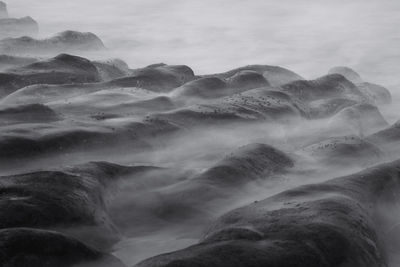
point(306, 36)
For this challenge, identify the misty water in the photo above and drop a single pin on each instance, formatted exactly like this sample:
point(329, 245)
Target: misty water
point(308, 37)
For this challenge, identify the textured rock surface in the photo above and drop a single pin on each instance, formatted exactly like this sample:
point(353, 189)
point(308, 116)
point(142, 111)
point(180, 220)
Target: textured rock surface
point(188, 149)
point(327, 224)
point(21, 247)
point(62, 69)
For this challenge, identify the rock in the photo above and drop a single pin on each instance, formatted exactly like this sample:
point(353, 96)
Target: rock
point(329, 86)
point(62, 69)
point(160, 78)
point(75, 200)
point(113, 103)
point(20, 247)
point(360, 119)
point(64, 42)
point(44, 93)
point(387, 138)
point(377, 94)
point(349, 73)
point(26, 114)
point(72, 200)
point(325, 224)
point(12, 28)
point(32, 141)
point(261, 104)
point(344, 150)
point(196, 198)
point(246, 80)
point(7, 62)
point(325, 108)
point(275, 76)
point(112, 69)
point(205, 88)
point(246, 164)
point(79, 40)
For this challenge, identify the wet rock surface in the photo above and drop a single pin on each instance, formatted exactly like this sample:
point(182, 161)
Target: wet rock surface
point(327, 224)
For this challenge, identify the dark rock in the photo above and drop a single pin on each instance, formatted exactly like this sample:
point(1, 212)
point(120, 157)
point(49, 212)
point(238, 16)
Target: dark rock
point(160, 78)
point(246, 164)
point(68, 200)
point(23, 247)
point(26, 113)
point(206, 88)
point(330, 86)
point(44, 93)
point(156, 65)
point(344, 150)
point(253, 105)
point(322, 225)
point(276, 76)
point(62, 69)
point(23, 141)
point(246, 80)
point(194, 198)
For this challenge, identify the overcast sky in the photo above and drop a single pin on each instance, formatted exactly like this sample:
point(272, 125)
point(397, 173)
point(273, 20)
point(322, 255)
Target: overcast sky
point(307, 36)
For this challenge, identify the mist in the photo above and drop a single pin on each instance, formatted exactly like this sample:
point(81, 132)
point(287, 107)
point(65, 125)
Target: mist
point(149, 158)
point(308, 37)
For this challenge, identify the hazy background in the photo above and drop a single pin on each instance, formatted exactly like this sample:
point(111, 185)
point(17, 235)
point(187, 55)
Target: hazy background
point(307, 36)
